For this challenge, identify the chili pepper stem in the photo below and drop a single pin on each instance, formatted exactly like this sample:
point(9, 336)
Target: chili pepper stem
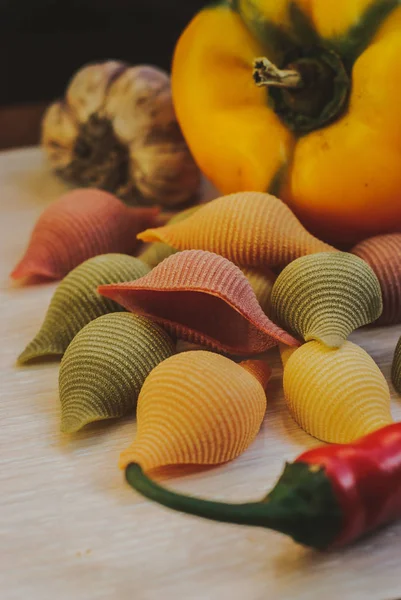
point(265, 73)
point(301, 505)
point(240, 514)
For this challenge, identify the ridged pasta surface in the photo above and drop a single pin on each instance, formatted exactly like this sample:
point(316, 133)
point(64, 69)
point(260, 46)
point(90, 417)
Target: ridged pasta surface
point(262, 285)
point(105, 366)
point(326, 296)
point(198, 408)
point(203, 298)
point(396, 367)
point(336, 395)
point(383, 254)
point(156, 252)
point(79, 225)
point(76, 302)
point(252, 229)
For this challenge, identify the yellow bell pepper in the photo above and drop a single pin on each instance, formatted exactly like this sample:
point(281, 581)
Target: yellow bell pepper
point(319, 122)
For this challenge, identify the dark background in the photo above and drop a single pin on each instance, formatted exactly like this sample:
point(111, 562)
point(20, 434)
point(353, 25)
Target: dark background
point(45, 41)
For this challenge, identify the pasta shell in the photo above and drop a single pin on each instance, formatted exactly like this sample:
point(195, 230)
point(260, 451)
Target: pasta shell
point(79, 225)
point(285, 353)
point(262, 285)
point(336, 395)
point(383, 254)
point(198, 408)
point(203, 298)
point(104, 367)
point(326, 296)
point(155, 253)
point(251, 229)
point(76, 302)
point(396, 367)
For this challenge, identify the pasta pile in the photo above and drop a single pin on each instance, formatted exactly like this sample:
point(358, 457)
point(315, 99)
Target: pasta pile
point(181, 333)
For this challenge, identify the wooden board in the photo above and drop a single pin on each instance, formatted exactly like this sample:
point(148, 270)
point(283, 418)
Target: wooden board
point(71, 529)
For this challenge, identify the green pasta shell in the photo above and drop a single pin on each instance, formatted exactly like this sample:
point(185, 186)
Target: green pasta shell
point(396, 367)
point(105, 366)
point(76, 302)
point(156, 252)
point(326, 296)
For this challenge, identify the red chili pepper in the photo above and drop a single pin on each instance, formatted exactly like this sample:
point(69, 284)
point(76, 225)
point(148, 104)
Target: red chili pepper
point(327, 498)
point(366, 480)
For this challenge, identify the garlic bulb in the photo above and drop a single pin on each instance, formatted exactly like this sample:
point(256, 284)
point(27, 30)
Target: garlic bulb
point(116, 130)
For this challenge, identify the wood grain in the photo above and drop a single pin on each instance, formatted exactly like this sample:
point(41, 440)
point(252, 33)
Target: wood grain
point(70, 528)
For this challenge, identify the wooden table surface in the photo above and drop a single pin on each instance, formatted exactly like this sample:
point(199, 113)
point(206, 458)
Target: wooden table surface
point(71, 529)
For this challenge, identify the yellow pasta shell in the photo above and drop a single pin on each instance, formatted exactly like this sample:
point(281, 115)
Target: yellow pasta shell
point(285, 353)
point(326, 296)
point(336, 395)
point(262, 284)
point(156, 252)
point(198, 408)
point(252, 229)
point(76, 302)
point(104, 367)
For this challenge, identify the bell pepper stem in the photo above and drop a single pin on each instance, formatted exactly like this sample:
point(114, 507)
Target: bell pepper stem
point(265, 73)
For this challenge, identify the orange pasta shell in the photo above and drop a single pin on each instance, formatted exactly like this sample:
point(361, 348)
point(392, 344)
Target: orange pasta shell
point(198, 408)
point(251, 229)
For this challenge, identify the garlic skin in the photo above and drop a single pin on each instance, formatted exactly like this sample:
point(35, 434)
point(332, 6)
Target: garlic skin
point(116, 130)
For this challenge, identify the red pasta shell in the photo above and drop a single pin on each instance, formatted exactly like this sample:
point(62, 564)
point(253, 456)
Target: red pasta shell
point(383, 255)
point(79, 225)
point(204, 298)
